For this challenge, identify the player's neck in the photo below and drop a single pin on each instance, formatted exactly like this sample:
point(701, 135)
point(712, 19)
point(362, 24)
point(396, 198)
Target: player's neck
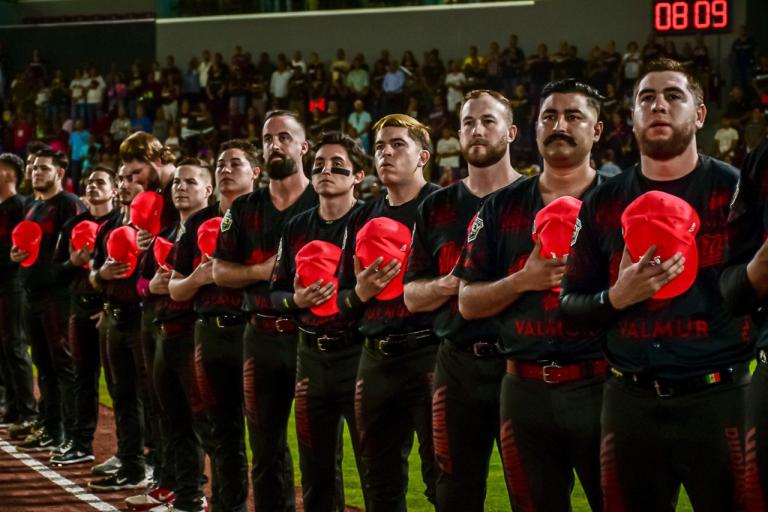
point(165, 172)
point(100, 210)
point(335, 207)
point(406, 191)
point(672, 169)
point(572, 181)
point(7, 192)
point(226, 200)
point(286, 191)
point(485, 180)
point(187, 213)
point(53, 192)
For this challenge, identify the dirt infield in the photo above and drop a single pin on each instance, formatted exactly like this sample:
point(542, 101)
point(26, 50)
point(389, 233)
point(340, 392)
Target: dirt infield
point(29, 484)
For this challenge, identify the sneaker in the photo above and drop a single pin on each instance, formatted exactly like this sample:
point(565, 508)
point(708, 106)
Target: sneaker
point(109, 467)
point(149, 472)
point(62, 448)
point(72, 456)
point(117, 482)
point(40, 441)
point(203, 507)
point(23, 429)
point(159, 496)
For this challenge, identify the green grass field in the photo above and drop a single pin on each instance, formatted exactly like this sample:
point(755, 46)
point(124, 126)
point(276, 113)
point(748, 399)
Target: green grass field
point(496, 500)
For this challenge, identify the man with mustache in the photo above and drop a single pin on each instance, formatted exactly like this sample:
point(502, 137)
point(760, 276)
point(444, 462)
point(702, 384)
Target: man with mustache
point(394, 378)
point(329, 347)
point(465, 417)
point(85, 306)
point(15, 365)
point(244, 258)
point(219, 327)
point(46, 307)
point(505, 276)
point(120, 320)
point(673, 408)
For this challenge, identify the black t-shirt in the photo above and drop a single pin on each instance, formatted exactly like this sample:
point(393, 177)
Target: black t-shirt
point(442, 223)
point(379, 317)
point(250, 234)
point(691, 334)
point(11, 213)
point(499, 243)
point(301, 230)
point(747, 232)
point(78, 277)
point(209, 299)
point(170, 214)
point(51, 215)
point(116, 291)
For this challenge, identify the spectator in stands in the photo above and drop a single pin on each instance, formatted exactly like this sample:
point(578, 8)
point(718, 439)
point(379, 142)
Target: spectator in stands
point(79, 146)
point(738, 106)
point(203, 68)
point(726, 139)
point(598, 74)
point(190, 85)
point(447, 160)
point(340, 66)
point(455, 83)
point(121, 125)
point(438, 118)
point(160, 126)
point(36, 72)
point(77, 89)
point(433, 72)
point(237, 89)
point(630, 67)
point(135, 88)
point(493, 79)
point(358, 79)
point(141, 121)
point(94, 95)
point(298, 62)
point(393, 88)
point(539, 68)
point(652, 50)
point(474, 68)
point(612, 60)
point(608, 168)
point(512, 64)
point(559, 61)
point(743, 51)
point(755, 129)
point(59, 102)
point(359, 125)
point(278, 84)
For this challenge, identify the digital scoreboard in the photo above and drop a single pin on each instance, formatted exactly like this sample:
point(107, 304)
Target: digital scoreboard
point(672, 17)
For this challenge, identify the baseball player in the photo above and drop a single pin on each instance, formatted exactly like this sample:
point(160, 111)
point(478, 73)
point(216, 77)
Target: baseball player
point(394, 380)
point(551, 393)
point(329, 347)
point(85, 306)
point(46, 307)
point(220, 324)
point(645, 267)
point(465, 407)
point(244, 258)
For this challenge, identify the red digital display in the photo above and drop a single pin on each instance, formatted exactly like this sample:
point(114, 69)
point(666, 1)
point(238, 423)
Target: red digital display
point(691, 16)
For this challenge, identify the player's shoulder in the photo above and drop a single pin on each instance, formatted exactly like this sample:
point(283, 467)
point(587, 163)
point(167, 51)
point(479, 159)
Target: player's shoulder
point(203, 215)
point(77, 219)
point(512, 194)
point(754, 171)
point(719, 169)
point(304, 218)
point(441, 195)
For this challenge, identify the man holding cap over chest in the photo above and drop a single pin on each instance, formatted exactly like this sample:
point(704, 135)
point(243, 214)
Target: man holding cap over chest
point(645, 267)
point(394, 379)
point(510, 269)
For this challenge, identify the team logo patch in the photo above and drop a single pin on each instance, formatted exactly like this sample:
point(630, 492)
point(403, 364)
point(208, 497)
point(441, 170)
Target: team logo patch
point(226, 222)
point(576, 230)
point(475, 229)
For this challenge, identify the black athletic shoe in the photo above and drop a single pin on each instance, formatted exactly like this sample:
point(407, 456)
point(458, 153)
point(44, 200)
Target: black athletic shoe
point(74, 455)
point(118, 482)
point(109, 467)
point(40, 441)
point(23, 429)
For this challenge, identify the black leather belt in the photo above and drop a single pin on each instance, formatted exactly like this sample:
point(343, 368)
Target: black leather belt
point(396, 344)
point(223, 320)
point(665, 388)
point(122, 312)
point(329, 341)
point(479, 349)
point(88, 301)
point(273, 323)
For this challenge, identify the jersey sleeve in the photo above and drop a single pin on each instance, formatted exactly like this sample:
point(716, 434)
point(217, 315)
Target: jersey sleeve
point(348, 301)
point(182, 256)
point(421, 264)
point(230, 245)
point(281, 284)
point(477, 260)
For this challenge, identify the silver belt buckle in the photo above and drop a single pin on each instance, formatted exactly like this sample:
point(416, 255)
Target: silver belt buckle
point(545, 375)
point(277, 323)
point(321, 342)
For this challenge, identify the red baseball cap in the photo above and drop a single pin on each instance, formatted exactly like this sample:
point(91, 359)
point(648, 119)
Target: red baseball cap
point(147, 211)
point(84, 234)
point(27, 236)
point(161, 249)
point(122, 246)
point(385, 237)
point(554, 226)
point(319, 260)
point(207, 234)
point(669, 223)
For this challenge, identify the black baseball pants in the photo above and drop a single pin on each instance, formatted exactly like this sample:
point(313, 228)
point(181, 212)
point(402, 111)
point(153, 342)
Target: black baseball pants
point(15, 363)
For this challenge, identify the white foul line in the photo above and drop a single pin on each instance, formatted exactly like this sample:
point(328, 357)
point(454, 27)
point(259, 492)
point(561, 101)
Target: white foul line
point(53, 476)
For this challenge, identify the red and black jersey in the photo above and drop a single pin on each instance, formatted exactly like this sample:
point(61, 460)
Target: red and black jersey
point(116, 291)
point(250, 234)
point(691, 334)
point(78, 277)
point(166, 309)
point(11, 213)
point(379, 317)
point(51, 215)
point(301, 230)
point(185, 257)
point(442, 223)
point(747, 232)
point(499, 243)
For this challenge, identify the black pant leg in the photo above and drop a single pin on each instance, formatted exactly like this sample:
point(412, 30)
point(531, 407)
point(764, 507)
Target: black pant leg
point(15, 363)
point(756, 442)
point(269, 373)
point(84, 343)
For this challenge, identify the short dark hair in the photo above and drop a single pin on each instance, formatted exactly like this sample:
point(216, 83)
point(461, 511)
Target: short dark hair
point(665, 64)
point(251, 151)
point(59, 159)
point(571, 85)
point(360, 161)
point(198, 162)
point(474, 94)
point(36, 145)
point(15, 162)
point(102, 168)
point(284, 113)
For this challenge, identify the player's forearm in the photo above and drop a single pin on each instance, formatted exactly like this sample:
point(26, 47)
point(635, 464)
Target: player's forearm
point(425, 295)
point(236, 275)
point(182, 287)
point(588, 309)
point(484, 299)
